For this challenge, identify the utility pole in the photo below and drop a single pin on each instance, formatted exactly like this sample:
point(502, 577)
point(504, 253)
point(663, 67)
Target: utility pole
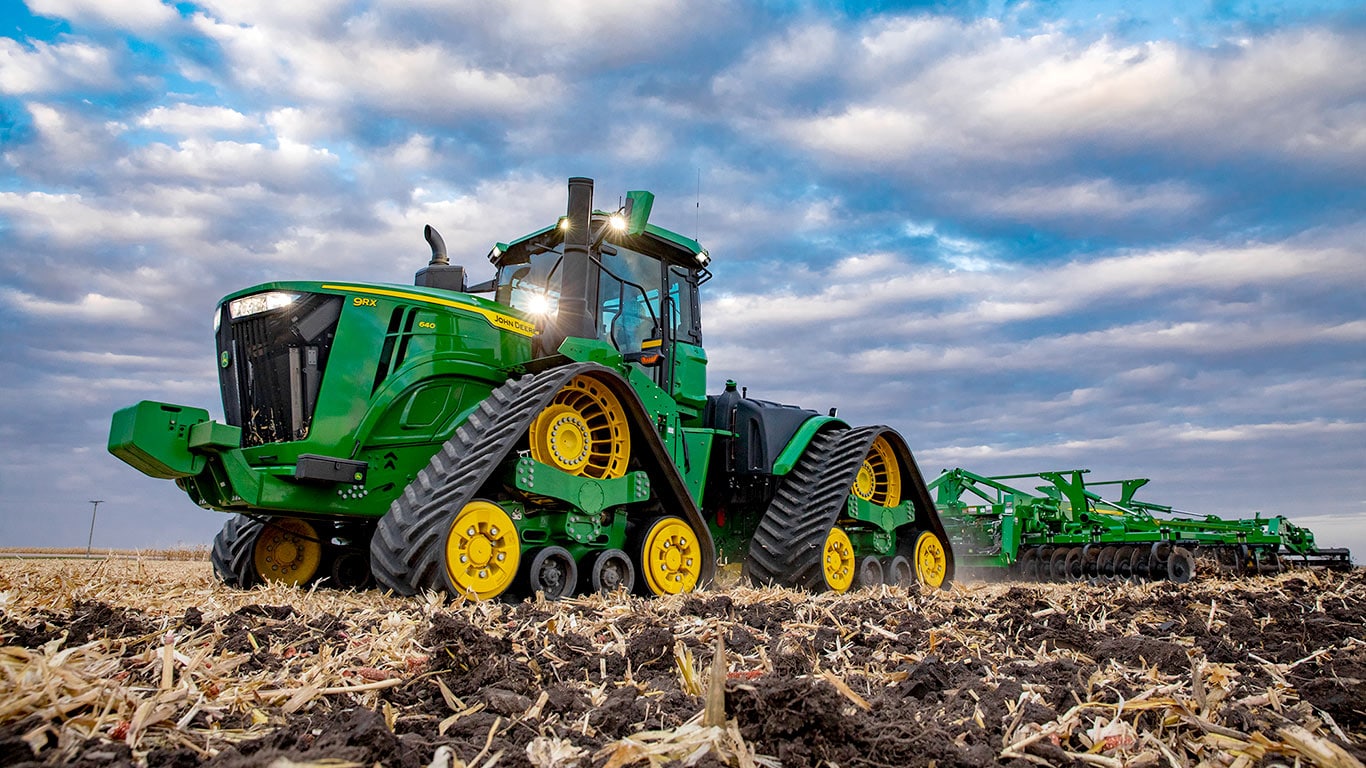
point(93, 510)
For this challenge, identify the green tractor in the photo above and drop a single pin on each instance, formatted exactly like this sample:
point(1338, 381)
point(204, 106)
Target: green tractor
point(546, 431)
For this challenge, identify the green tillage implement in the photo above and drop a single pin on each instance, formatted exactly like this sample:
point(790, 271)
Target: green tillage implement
point(1065, 531)
point(547, 431)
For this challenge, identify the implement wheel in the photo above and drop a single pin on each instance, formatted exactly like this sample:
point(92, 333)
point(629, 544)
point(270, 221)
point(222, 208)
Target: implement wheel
point(1138, 564)
point(879, 477)
point(287, 550)
point(482, 551)
point(931, 562)
point(1057, 564)
point(669, 556)
point(1105, 563)
point(583, 431)
point(1073, 566)
point(1181, 565)
point(1028, 564)
point(1123, 563)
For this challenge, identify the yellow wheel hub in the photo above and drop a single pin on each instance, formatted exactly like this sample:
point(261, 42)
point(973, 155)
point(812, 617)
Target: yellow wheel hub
point(670, 557)
point(288, 550)
point(583, 431)
point(838, 560)
point(879, 479)
point(482, 551)
point(931, 564)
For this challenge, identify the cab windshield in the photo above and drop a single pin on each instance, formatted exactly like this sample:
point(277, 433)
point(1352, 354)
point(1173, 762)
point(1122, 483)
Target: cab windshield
point(532, 286)
point(628, 299)
point(633, 303)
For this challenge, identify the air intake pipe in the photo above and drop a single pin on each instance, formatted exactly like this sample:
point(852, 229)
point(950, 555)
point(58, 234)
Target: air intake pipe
point(439, 272)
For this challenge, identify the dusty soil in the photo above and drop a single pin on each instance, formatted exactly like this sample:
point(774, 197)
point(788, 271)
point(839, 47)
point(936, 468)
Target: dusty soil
point(157, 665)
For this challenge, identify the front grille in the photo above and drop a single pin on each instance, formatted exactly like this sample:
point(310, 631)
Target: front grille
point(275, 365)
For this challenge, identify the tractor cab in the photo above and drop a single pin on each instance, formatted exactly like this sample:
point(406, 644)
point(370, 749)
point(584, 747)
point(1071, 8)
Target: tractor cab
point(638, 287)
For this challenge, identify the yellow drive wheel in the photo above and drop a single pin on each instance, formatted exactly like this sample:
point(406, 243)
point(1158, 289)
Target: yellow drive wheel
point(583, 431)
point(879, 479)
point(482, 551)
point(931, 564)
point(287, 550)
point(670, 557)
point(837, 561)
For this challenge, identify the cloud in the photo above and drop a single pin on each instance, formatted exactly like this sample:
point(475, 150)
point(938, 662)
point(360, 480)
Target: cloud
point(1021, 101)
point(1024, 241)
point(193, 120)
point(72, 220)
point(133, 15)
point(43, 68)
point(90, 308)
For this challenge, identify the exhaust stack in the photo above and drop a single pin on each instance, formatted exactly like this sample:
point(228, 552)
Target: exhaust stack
point(578, 277)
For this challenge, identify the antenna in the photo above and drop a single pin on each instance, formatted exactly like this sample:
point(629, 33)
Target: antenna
point(697, 209)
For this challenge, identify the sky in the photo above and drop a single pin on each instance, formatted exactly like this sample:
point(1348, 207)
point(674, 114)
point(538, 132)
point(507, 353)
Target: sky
point(1127, 237)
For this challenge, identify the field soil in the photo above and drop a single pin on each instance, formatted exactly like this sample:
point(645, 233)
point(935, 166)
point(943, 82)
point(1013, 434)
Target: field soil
point(154, 663)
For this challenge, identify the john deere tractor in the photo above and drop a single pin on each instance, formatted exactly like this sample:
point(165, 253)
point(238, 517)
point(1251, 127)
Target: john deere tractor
point(545, 431)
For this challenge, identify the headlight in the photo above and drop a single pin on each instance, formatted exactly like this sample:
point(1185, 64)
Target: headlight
point(260, 302)
point(537, 304)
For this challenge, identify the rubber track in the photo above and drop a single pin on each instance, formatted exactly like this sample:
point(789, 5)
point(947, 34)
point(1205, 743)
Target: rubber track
point(406, 551)
point(787, 545)
point(232, 552)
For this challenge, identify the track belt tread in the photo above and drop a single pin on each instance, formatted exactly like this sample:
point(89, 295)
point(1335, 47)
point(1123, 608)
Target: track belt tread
point(405, 553)
point(788, 543)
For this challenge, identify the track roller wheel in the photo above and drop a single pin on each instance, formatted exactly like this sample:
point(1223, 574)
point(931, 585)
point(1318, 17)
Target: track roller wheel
point(1073, 565)
point(897, 571)
point(1057, 564)
point(288, 551)
point(869, 572)
point(482, 551)
point(1180, 565)
point(1028, 564)
point(552, 572)
point(838, 561)
point(608, 571)
point(583, 431)
point(351, 569)
point(879, 477)
point(931, 562)
point(669, 557)
point(232, 552)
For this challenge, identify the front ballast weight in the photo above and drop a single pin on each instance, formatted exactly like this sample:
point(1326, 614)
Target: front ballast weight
point(555, 484)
